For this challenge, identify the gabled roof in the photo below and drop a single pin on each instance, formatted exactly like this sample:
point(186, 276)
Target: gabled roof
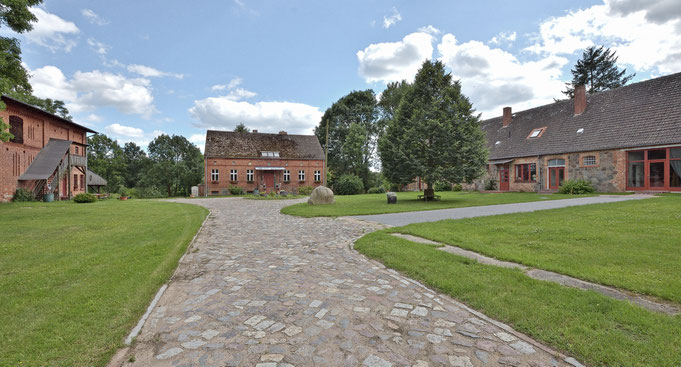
point(47, 160)
point(637, 115)
point(40, 110)
point(94, 179)
point(229, 144)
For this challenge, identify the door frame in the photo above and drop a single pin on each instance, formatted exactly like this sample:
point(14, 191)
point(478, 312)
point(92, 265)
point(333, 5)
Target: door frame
point(551, 171)
point(504, 168)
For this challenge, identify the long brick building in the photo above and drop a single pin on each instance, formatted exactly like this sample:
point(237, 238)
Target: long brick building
point(263, 162)
point(48, 154)
point(625, 139)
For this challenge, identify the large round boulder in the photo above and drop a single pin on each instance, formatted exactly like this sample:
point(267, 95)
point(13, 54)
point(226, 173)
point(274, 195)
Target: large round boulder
point(320, 196)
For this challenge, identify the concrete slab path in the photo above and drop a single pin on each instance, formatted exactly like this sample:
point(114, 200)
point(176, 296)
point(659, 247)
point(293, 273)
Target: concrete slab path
point(263, 289)
point(402, 219)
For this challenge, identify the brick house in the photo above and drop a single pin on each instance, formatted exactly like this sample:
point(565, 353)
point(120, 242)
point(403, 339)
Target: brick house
point(626, 139)
point(263, 162)
point(48, 154)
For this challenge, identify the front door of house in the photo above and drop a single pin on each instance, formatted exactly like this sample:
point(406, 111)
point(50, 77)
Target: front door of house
point(269, 180)
point(556, 176)
point(504, 173)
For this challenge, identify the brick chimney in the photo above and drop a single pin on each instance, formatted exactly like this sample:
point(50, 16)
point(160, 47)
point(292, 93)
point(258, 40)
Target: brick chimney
point(255, 131)
point(283, 132)
point(580, 99)
point(508, 118)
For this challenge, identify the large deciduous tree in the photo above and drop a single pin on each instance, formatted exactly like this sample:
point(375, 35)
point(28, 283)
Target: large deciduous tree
point(135, 162)
point(598, 71)
point(357, 108)
point(434, 134)
point(105, 157)
point(177, 164)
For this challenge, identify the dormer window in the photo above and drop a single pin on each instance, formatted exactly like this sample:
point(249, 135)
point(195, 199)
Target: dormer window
point(536, 133)
point(270, 154)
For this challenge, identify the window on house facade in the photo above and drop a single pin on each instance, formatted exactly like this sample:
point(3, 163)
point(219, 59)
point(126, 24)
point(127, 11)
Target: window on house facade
point(76, 150)
point(75, 181)
point(214, 175)
point(249, 175)
point(556, 162)
point(16, 128)
point(589, 160)
point(82, 182)
point(287, 176)
point(301, 175)
point(269, 154)
point(317, 176)
point(233, 175)
point(526, 172)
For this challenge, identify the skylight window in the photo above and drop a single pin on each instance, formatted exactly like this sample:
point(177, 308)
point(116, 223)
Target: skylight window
point(581, 130)
point(269, 154)
point(536, 133)
point(497, 143)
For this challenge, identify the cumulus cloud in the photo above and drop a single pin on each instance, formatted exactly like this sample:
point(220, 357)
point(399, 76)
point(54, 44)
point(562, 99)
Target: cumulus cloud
point(225, 113)
point(429, 29)
point(504, 37)
point(199, 140)
point(393, 61)
point(390, 20)
point(494, 78)
point(93, 17)
point(86, 91)
point(645, 34)
point(150, 72)
point(52, 32)
point(98, 47)
point(231, 85)
point(124, 131)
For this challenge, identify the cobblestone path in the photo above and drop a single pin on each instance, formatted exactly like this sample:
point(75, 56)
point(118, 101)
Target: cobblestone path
point(269, 290)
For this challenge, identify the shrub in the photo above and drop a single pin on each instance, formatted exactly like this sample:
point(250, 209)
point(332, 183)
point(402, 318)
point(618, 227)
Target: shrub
point(123, 191)
point(85, 198)
point(236, 190)
point(305, 190)
point(148, 192)
point(576, 187)
point(22, 195)
point(442, 186)
point(376, 190)
point(491, 184)
point(348, 185)
point(457, 187)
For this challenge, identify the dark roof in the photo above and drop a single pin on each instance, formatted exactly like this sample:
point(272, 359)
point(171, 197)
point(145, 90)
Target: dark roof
point(40, 110)
point(229, 144)
point(94, 179)
point(637, 115)
point(47, 160)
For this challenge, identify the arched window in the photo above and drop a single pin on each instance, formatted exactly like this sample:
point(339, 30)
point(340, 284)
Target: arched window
point(16, 128)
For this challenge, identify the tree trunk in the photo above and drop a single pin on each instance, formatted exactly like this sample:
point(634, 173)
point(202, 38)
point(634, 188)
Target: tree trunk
point(429, 192)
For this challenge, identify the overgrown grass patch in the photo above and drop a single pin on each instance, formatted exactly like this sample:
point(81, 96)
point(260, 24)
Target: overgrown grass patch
point(635, 245)
point(74, 279)
point(407, 202)
point(593, 328)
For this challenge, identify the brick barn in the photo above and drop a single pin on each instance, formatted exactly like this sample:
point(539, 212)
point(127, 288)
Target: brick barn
point(625, 139)
point(48, 154)
point(263, 162)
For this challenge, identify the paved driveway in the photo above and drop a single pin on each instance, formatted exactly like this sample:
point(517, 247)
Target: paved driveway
point(402, 219)
point(265, 289)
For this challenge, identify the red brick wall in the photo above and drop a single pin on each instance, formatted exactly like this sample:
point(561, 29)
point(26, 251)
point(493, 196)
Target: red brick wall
point(224, 165)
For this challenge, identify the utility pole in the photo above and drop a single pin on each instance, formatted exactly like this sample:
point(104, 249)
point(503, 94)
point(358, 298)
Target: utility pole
point(326, 156)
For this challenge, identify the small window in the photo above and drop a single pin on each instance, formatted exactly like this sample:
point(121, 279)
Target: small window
point(82, 181)
point(536, 133)
point(249, 175)
point(214, 175)
point(233, 175)
point(317, 176)
point(301, 175)
point(287, 176)
point(580, 130)
point(589, 160)
point(16, 128)
point(636, 156)
point(269, 154)
point(556, 162)
point(76, 150)
point(75, 181)
point(526, 172)
point(657, 154)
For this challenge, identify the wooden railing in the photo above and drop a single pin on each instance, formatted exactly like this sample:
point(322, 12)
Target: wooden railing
point(77, 160)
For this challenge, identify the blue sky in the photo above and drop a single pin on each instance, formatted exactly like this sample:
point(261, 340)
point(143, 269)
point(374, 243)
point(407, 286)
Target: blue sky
point(133, 70)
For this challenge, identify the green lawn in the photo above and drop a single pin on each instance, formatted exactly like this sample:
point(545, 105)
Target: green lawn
point(75, 278)
point(406, 202)
point(634, 245)
point(595, 329)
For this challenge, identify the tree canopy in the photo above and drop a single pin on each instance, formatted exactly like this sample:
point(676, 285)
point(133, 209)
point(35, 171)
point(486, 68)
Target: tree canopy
point(597, 70)
point(434, 133)
point(241, 128)
point(177, 164)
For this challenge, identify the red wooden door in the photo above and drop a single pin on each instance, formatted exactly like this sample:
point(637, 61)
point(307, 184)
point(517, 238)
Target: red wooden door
point(269, 180)
point(556, 176)
point(504, 173)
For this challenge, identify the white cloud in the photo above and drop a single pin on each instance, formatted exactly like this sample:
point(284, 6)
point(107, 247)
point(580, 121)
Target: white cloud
point(199, 140)
point(218, 87)
point(429, 29)
point(94, 118)
point(231, 85)
point(149, 72)
point(224, 113)
point(93, 17)
point(118, 130)
point(390, 20)
point(86, 91)
point(645, 34)
point(503, 37)
point(239, 94)
point(393, 61)
point(52, 31)
point(99, 47)
point(494, 78)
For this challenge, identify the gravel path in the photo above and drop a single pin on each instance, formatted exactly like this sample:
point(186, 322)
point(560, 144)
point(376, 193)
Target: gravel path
point(402, 219)
point(264, 289)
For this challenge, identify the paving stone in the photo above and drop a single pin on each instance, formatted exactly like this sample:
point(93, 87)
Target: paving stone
point(172, 352)
point(374, 361)
point(460, 361)
point(193, 344)
point(523, 347)
point(505, 336)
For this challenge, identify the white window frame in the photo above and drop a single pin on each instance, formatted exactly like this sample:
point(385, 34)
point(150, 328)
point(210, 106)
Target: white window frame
point(215, 174)
point(287, 176)
point(233, 175)
point(250, 176)
point(301, 175)
point(317, 176)
point(591, 160)
point(269, 154)
point(535, 133)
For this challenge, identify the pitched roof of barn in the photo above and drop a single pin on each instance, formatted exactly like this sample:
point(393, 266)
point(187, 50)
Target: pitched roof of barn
point(647, 113)
point(6, 98)
point(230, 144)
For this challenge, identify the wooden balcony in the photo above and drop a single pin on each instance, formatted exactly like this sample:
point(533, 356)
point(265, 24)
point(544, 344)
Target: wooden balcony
point(79, 161)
